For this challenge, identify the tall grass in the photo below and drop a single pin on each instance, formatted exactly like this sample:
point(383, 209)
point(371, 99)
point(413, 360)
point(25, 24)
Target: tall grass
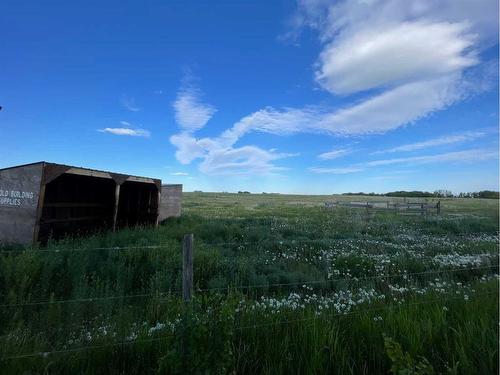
point(110, 303)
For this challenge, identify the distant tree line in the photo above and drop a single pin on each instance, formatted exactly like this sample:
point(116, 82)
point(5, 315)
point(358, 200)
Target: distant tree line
point(481, 194)
point(437, 194)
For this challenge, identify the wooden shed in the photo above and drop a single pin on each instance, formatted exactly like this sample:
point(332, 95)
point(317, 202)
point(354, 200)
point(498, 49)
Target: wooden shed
point(44, 200)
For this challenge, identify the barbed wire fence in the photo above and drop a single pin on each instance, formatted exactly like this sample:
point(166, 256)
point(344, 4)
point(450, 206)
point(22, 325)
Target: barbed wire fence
point(265, 242)
point(188, 289)
point(45, 354)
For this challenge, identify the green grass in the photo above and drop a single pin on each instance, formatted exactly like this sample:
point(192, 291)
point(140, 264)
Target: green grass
point(439, 304)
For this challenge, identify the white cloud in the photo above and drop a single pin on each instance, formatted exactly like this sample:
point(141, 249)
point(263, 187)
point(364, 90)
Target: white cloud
point(270, 120)
point(180, 174)
point(332, 17)
point(394, 108)
point(190, 113)
point(387, 111)
point(188, 148)
point(440, 141)
point(395, 54)
point(473, 155)
point(129, 103)
point(416, 53)
point(126, 131)
point(408, 59)
point(241, 161)
point(345, 170)
point(466, 156)
point(334, 154)
point(219, 158)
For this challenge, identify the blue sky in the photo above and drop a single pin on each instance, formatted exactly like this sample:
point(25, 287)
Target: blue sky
point(294, 97)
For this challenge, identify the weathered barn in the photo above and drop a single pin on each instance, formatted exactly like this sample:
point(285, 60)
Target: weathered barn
point(45, 200)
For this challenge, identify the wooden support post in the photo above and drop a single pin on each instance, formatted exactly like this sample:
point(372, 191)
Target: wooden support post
point(149, 205)
point(422, 209)
point(438, 207)
point(138, 220)
point(39, 211)
point(117, 200)
point(158, 208)
point(187, 267)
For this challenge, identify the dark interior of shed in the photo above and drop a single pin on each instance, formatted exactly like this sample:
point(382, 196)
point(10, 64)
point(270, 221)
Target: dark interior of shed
point(75, 205)
point(79, 204)
point(138, 204)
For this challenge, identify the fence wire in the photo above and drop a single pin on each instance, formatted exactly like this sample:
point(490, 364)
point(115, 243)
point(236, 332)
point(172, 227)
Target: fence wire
point(355, 279)
point(46, 354)
point(160, 294)
point(112, 248)
point(320, 317)
point(35, 251)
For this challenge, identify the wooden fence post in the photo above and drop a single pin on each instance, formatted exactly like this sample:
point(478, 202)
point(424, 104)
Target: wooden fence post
point(438, 207)
point(187, 267)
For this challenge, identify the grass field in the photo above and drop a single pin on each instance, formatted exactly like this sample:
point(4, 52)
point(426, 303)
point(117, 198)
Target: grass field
point(282, 286)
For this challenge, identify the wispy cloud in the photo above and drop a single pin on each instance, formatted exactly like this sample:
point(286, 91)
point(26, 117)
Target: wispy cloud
point(127, 129)
point(405, 60)
point(466, 156)
point(180, 174)
point(440, 141)
point(334, 154)
point(246, 160)
point(218, 155)
point(345, 170)
point(415, 54)
point(129, 103)
point(378, 114)
point(219, 158)
point(473, 155)
point(333, 17)
point(190, 112)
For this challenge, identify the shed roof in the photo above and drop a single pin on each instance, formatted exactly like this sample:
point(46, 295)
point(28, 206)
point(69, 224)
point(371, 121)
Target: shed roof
point(63, 168)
